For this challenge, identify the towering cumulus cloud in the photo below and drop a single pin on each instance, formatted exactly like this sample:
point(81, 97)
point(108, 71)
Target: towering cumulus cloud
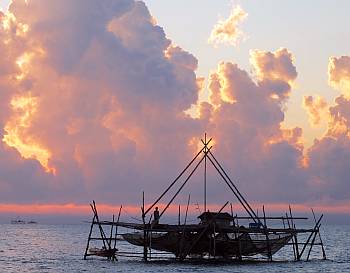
point(94, 101)
point(330, 156)
point(246, 120)
point(228, 31)
point(315, 107)
point(92, 93)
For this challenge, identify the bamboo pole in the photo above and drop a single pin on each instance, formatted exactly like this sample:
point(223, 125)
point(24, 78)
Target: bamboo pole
point(311, 234)
point(176, 179)
point(188, 178)
point(289, 227)
point(238, 192)
point(205, 172)
point(89, 238)
point(267, 237)
point(294, 234)
point(103, 235)
point(144, 228)
point(312, 244)
point(253, 216)
point(184, 226)
point(111, 231)
point(319, 234)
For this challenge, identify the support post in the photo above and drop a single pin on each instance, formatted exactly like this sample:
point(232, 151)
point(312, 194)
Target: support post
point(240, 197)
point(103, 235)
point(295, 234)
point(176, 179)
point(144, 228)
point(311, 246)
point(183, 230)
point(319, 235)
point(296, 258)
point(205, 172)
point(183, 184)
point(88, 242)
point(311, 234)
point(111, 233)
point(116, 232)
point(267, 237)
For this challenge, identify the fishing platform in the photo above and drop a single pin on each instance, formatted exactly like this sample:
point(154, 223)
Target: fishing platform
point(218, 236)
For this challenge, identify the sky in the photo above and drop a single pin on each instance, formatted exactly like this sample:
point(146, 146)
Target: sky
point(104, 99)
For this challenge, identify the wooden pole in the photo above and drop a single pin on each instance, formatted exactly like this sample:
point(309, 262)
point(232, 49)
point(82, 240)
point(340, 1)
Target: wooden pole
point(289, 227)
point(239, 242)
point(116, 232)
point(116, 228)
point(176, 179)
point(183, 184)
point(241, 199)
point(144, 228)
point(319, 235)
point(267, 237)
point(312, 244)
point(205, 172)
point(232, 187)
point(311, 234)
point(103, 235)
point(183, 230)
point(214, 242)
point(88, 242)
point(295, 234)
point(111, 231)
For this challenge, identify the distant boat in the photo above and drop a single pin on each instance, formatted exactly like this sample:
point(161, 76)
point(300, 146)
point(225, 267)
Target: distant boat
point(102, 252)
point(18, 222)
point(32, 222)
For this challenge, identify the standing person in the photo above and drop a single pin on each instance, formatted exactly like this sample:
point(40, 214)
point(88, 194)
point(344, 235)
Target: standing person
point(156, 216)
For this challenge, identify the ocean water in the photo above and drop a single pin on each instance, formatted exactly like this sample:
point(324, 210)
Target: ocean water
point(60, 248)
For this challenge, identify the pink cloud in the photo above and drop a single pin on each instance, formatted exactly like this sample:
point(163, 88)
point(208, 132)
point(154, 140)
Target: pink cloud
point(111, 96)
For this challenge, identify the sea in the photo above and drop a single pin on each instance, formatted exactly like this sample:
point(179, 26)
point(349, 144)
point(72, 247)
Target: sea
point(60, 248)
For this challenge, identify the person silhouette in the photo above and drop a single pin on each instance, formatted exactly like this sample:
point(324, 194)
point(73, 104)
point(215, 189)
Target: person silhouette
point(156, 216)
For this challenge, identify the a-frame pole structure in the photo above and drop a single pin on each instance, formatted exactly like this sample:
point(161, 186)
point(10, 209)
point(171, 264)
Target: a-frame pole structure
point(205, 172)
point(207, 155)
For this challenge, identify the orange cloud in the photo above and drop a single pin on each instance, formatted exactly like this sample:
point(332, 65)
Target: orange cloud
point(227, 31)
point(24, 108)
point(275, 70)
point(103, 97)
point(339, 74)
point(316, 108)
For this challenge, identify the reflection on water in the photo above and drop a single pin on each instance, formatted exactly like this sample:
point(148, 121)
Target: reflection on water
point(60, 248)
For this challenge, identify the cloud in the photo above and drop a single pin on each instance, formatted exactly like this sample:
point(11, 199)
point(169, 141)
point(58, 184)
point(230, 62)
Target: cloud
point(94, 104)
point(227, 31)
point(339, 74)
point(329, 156)
point(246, 123)
point(275, 71)
point(94, 89)
point(316, 108)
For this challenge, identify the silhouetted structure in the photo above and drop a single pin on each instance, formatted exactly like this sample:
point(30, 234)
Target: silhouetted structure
point(218, 235)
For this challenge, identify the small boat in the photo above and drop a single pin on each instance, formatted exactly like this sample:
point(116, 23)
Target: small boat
point(32, 222)
point(103, 252)
point(18, 222)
